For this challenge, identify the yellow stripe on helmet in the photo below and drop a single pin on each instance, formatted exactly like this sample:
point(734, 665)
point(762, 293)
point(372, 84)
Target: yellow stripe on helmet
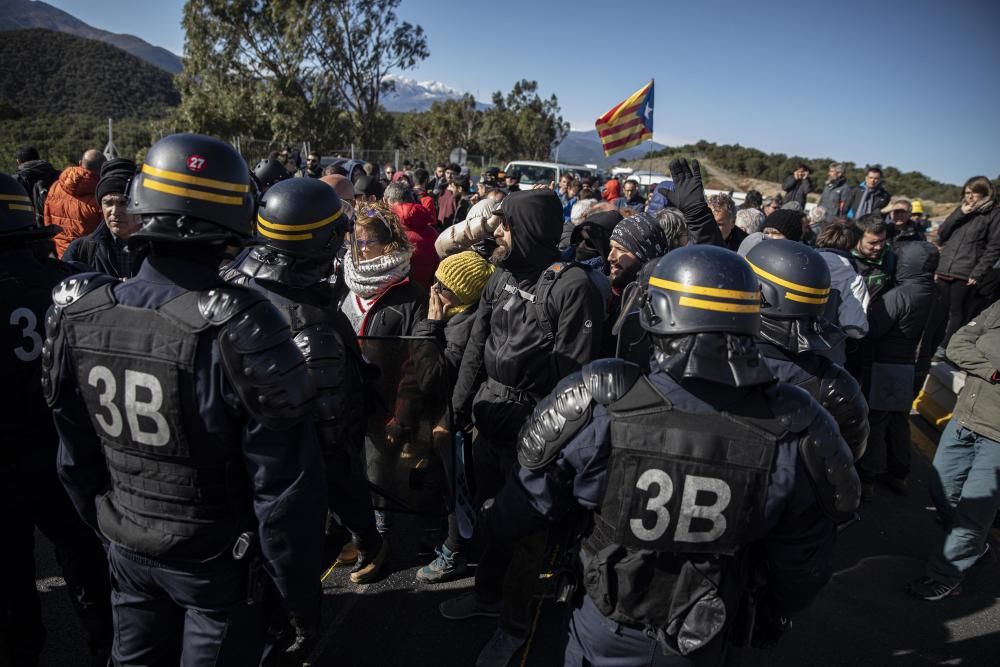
point(706, 291)
point(719, 306)
point(296, 228)
point(194, 180)
point(193, 194)
point(285, 237)
point(787, 283)
point(791, 296)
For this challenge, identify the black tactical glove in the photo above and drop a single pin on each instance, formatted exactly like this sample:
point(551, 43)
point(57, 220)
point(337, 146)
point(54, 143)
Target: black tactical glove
point(689, 197)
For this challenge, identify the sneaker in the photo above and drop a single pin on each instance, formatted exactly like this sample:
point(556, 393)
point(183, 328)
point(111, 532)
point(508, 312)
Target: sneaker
point(932, 590)
point(468, 605)
point(368, 568)
point(499, 649)
point(867, 492)
point(447, 566)
point(349, 554)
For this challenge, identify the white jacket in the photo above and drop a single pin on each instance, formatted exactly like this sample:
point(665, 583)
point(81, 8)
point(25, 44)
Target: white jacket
point(851, 295)
point(478, 225)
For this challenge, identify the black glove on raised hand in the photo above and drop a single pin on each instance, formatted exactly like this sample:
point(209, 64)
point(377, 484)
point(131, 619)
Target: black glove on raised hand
point(689, 197)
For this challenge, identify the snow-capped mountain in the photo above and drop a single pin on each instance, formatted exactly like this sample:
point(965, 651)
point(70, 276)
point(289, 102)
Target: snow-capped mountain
point(412, 95)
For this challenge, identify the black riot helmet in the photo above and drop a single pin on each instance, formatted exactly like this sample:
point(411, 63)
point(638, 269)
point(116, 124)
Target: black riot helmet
point(794, 279)
point(17, 215)
point(193, 189)
point(302, 217)
point(701, 289)
point(268, 172)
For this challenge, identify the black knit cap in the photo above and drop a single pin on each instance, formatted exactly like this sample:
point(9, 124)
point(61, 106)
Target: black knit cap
point(787, 222)
point(115, 175)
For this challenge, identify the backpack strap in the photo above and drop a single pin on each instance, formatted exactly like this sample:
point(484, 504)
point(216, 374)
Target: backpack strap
point(542, 289)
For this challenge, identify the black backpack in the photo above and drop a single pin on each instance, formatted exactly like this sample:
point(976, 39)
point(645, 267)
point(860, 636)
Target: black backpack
point(541, 296)
point(36, 178)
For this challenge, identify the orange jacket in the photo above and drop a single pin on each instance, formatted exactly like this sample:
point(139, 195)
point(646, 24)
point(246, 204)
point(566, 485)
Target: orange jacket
point(71, 205)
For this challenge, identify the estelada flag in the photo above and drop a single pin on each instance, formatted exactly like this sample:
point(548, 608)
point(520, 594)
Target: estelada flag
point(628, 124)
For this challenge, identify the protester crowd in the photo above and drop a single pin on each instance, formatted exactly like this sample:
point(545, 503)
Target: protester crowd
point(349, 332)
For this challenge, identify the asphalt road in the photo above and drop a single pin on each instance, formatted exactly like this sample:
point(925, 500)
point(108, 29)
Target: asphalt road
point(863, 617)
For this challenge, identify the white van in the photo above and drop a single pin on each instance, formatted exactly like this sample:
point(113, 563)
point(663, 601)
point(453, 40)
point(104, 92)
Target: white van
point(532, 173)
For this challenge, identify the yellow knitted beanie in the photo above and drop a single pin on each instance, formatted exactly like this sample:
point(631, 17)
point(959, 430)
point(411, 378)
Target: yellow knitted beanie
point(465, 274)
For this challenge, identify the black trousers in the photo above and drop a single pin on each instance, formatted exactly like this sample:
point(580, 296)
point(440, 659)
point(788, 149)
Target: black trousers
point(955, 304)
point(195, 614)
point(506, 571)
point(31, 496)
point(888, 446)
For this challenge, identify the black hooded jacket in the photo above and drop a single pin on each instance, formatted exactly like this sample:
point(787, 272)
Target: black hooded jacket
point(897, 320)
point(507, 341)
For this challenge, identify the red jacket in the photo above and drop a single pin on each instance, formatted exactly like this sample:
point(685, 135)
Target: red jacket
point(71, 205)
point(426, 201)
point(418, 223)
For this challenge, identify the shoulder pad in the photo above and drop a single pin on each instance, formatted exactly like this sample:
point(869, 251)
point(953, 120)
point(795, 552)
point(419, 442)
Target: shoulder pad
point(70, 290)
point(264, 365)
point(831, 467)
point(222, 304)
point(842, 397)
point(610, 379)
point(65, 295)
point(564, 412)
point(234, 276)
point(794, 409)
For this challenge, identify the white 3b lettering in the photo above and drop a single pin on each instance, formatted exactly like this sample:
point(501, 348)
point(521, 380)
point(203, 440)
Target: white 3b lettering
point(147, 406)
point(689, 510)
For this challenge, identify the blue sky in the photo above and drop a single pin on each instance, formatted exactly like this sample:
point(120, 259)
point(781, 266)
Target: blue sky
point(912, 83)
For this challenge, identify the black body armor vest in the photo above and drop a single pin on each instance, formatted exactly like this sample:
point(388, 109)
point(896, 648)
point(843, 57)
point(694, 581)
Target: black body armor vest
point(25, 296)
point(178, 491)
point(684, 494)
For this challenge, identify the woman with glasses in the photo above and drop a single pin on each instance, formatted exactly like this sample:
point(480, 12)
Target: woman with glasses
point(383, 304)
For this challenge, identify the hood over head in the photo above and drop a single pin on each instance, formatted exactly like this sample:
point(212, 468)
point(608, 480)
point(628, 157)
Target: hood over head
point(612, 190)
point(915, 260)
point(535, 220)
point(78, 181)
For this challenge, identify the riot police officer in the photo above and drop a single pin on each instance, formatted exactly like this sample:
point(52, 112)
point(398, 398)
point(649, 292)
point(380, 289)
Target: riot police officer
point(301, 227)
point(180, 403)
point(697, 475)
point(30, 493)
point(795, 286)
point(268, 172)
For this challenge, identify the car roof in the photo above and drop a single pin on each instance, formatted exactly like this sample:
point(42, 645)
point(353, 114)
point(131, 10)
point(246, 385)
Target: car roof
point(561, 165)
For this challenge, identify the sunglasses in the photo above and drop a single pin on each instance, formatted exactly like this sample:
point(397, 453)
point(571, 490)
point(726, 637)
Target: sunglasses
point(502, 221)
point(373, 213)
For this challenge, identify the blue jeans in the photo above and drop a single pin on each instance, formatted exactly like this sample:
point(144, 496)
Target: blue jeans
point(966, 491)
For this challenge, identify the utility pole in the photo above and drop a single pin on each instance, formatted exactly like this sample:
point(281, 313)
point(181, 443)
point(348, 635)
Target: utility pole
point(110, 151)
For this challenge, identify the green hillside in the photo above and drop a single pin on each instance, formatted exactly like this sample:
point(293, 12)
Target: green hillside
point(54, 73)
point(752, 163)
